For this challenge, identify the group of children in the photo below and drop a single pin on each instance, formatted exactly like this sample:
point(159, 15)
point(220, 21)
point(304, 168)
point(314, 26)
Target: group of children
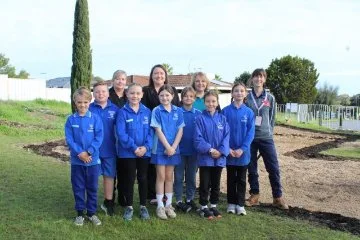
point(178, 140)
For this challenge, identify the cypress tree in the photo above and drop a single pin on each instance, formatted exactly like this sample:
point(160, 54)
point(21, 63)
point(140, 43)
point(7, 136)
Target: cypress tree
point(81, 56)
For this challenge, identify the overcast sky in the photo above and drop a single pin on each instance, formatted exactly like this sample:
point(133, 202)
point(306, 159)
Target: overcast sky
point(215, 36)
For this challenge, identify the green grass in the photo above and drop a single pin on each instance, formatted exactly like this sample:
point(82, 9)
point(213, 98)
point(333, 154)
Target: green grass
point(351, 152)
point(36, 202)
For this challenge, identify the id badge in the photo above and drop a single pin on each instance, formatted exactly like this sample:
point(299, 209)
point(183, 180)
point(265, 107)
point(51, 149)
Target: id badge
point(258, 121)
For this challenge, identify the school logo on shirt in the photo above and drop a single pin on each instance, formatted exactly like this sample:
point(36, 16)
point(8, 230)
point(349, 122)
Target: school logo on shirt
point(266, 103)
point(146, 120)
point(111, 114)
point(91, 128)
point(244, 119)
point(220, 126)
point(175, 117)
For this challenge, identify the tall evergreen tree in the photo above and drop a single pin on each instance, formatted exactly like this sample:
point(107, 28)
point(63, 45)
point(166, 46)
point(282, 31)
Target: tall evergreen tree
point(81, 56)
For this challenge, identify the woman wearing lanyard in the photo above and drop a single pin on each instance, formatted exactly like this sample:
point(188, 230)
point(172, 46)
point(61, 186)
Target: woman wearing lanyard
point(263, 105)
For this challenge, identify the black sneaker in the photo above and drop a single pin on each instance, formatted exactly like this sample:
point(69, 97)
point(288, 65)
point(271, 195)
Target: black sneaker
point(193, 205)
point(216, 212)
point(206, 213)
point(108, 207)
point(183, 207)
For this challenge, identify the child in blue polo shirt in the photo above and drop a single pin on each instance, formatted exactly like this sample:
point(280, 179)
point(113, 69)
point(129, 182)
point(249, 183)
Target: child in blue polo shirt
point(188, 164)
point(211, 140)
point(168, 122)
point(107, 111)
point(242, 129)
point(134, 149)
point(84, 135)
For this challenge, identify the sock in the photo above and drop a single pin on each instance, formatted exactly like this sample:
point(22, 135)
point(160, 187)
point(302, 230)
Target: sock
point(188, 201)
point(213, 205)
point(178, 202)
point(130, 207)
point(159, 198)
point(203, 207)
point(169, 199)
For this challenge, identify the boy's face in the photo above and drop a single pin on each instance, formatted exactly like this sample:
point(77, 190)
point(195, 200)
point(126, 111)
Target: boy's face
point(82, 104)
point(134, 94)
point(188, 98)
point(101, 94)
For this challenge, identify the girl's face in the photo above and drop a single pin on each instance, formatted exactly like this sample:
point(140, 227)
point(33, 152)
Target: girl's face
point(120, 82)
point(200, 84)
point(188, 98)
point(101, 94)
point(82, 104)
point(211, 103)
point(158, 76)
point(134, 95)
point(239, 93)
point(165, 97)
point(258, 81)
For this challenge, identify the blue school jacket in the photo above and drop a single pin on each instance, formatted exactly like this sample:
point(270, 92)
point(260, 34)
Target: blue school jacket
point(84, 134)
point(133, 131)
point(242, 130)
point(187, 140)
point(169, 122)
point(108, 117)
point(211, 132)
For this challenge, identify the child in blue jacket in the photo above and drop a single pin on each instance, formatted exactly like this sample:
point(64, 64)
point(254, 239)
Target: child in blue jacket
point(107, 111)
point(188, 164)
point(168, 122)
point(134, 149)
point(211, 140)
point(84, 135)
point(242, 129)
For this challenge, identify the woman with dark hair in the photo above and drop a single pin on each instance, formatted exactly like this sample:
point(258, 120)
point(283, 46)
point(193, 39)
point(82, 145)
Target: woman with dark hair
point(157, 79)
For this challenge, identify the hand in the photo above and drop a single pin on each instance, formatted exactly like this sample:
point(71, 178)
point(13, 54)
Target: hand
point(232, 153)
point(140, 151)
point(170, 151)
point(215, 154)
point(238, 152)
point(85, 157)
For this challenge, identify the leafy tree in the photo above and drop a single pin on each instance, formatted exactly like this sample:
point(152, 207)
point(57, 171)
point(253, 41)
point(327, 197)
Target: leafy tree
point(343, 99)
point(168, 68)
point(81, 56)
point(292, 79)
point(6, 68)
point(327, 94)
point(217, 77)
point(355, 100)
point(244, 78)
point(97, 78)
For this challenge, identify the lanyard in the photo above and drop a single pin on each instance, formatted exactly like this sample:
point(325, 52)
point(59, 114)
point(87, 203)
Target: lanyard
point(255, 103)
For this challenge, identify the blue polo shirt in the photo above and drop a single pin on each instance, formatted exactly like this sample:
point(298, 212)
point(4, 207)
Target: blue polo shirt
point(169, 123)
point(84, 134)
point(108, 117)
point(187, 141)
point(133, 131)
point(242, 130)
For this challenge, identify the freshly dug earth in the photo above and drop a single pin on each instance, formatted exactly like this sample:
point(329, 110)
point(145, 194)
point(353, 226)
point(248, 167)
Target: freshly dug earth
point(313, 184)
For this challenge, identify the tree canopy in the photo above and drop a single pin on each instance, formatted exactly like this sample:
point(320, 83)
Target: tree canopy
point(169, 68)
point(6, 68)
point(327, 94)
point(292, 79)
point(244, 78)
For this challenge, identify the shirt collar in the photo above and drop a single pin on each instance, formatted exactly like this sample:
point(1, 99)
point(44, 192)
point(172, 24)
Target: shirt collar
point(87, 114)
point(261, 95)
point(191, 110)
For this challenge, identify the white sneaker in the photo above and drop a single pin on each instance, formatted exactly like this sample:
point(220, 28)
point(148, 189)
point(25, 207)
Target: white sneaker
point(160, 212)
point(240, 210)
point(231, 208)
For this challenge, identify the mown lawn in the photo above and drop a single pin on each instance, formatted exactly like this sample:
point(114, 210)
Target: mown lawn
point(36, 200)
point(350, 152)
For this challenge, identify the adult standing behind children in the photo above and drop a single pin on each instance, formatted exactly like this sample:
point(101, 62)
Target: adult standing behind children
point(200, 83)
point(107, 111)
point(117, 95)
point(263, 105)
point(158, 78)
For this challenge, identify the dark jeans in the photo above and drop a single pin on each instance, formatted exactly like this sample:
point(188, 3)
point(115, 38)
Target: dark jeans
point(135, 167)
point(187, 166)
point(151, 179)
point(236, 184)
point(266, 147)
point(209, 178)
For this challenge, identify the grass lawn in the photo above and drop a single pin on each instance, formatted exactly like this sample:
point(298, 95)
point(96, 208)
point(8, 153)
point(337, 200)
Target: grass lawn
point(351, 152)
point(36, 200)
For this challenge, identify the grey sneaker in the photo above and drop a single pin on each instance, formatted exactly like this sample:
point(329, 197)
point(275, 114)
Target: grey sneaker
point(231, 208)
point(144, 214)
point(128, 214)
point(240, 210)
point(79, 221)
point(169, 210)
point(160, 212)
point(95, 220)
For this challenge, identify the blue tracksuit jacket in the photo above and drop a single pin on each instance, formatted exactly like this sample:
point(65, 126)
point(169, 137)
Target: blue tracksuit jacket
point(133, 131)
point(84, 134)
point(108, 117)
point(187, 141)
point(211, 132)
point(242, 130)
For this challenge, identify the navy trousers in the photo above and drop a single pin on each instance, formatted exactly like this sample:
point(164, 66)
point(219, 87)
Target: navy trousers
point(84, 180)
point(266, 147)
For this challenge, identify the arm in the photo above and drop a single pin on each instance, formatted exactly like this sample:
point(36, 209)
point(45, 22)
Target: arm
point(74, 147)
point(200, 144)
point(124, 139)
point(224, 148)
point(250, 133)
point(99, 135)
point(178, 137)
point(272, 112)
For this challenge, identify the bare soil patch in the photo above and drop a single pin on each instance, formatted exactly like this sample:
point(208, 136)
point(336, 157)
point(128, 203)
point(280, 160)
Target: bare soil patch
point(319, 188)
